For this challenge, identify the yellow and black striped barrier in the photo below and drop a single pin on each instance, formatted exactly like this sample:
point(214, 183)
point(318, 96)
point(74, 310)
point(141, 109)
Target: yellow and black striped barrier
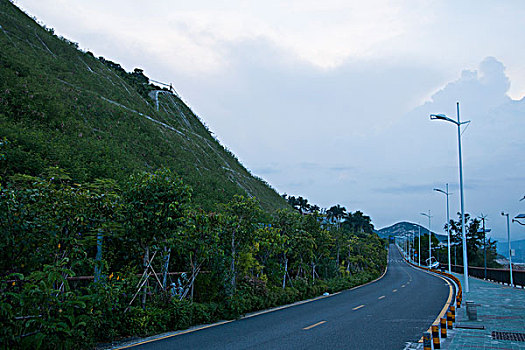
point(449, 320)
point(443, 325)
point(427, 343)
point(435, 337)
point(452, 310)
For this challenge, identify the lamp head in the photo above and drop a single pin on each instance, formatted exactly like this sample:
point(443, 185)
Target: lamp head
point(442, 117)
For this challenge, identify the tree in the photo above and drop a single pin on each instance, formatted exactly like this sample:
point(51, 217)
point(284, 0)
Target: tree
point(334, 215)
point(475, 242)
point(424, 247)
point(106, 204)
point(286, 223)
point(302, 205)
point(154, 211)
point(241, 218)
point(315, 208)
point(200, 240)
point(322, 242)
point(299, 203)
point(359, 223)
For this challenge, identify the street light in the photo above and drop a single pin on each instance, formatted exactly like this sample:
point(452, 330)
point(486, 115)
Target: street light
point(446, 193)
point(510, 251)
point(413, 234)
point(429, 237)
point(519, 217)
point(419, 245)
point(408, 245)
point(463, 234)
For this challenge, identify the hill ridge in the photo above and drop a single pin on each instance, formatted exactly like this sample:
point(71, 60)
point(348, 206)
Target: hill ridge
point(402, 227)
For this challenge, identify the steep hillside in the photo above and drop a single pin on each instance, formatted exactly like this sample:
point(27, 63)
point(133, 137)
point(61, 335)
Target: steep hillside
point(401, 228)
point(63, 107)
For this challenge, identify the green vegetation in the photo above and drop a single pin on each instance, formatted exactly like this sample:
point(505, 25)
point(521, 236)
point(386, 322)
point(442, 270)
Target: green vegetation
point(237, 259)
point(63, 107)
point(475, 245)
point(119, 220)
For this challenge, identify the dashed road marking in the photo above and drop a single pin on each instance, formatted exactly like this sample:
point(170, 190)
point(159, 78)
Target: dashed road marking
point(358, 307)
point(395, 290)
point(314, 325)
point(381, 297)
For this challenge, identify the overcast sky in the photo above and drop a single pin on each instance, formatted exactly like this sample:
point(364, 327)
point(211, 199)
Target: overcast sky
point(331, 100)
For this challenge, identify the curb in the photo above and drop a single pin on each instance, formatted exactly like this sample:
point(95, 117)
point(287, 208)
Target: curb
point(154, 338)
point(432, 336)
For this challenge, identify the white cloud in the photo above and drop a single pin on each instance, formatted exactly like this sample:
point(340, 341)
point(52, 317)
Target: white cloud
point(335, 85)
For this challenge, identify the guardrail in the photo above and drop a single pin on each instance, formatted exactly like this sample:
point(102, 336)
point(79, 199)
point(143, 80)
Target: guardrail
point(495, 275)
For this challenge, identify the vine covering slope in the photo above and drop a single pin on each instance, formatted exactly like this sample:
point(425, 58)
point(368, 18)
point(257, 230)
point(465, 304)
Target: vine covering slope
point(60, 106)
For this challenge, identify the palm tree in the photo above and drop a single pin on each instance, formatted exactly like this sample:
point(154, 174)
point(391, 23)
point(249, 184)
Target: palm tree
point(302, 204)
point(360, 223)
point(292, 201)
point(315, 208)
point(336, 213)
point(334, 216)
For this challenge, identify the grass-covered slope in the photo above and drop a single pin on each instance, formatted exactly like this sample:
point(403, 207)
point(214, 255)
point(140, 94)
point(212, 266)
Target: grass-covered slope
point(63, 107)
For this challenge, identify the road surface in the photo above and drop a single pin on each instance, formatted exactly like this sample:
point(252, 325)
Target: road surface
point(385, 314)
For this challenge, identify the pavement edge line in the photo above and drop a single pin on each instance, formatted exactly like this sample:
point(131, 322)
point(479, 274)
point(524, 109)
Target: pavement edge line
point(449, 299)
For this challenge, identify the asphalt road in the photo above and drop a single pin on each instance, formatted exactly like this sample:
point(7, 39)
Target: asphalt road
point(385, 314)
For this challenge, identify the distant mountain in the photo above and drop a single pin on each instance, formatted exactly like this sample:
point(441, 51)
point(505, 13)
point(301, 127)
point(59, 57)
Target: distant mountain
point(519, 250)
point(401, 228)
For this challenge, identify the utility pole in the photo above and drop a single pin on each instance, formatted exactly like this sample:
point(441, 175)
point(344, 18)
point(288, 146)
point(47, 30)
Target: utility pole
point(429, 237)
point(510, 250)
point(419, 246)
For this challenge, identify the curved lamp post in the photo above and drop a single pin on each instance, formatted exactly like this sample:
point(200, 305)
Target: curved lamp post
point(463, 234)
point(429, 237)
point(446, 193)
point(519, 217)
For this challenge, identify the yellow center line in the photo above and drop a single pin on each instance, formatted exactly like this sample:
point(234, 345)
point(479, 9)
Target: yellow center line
point(314, 325)
point(358, 307)
point(395, 290)
point(381, 297)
